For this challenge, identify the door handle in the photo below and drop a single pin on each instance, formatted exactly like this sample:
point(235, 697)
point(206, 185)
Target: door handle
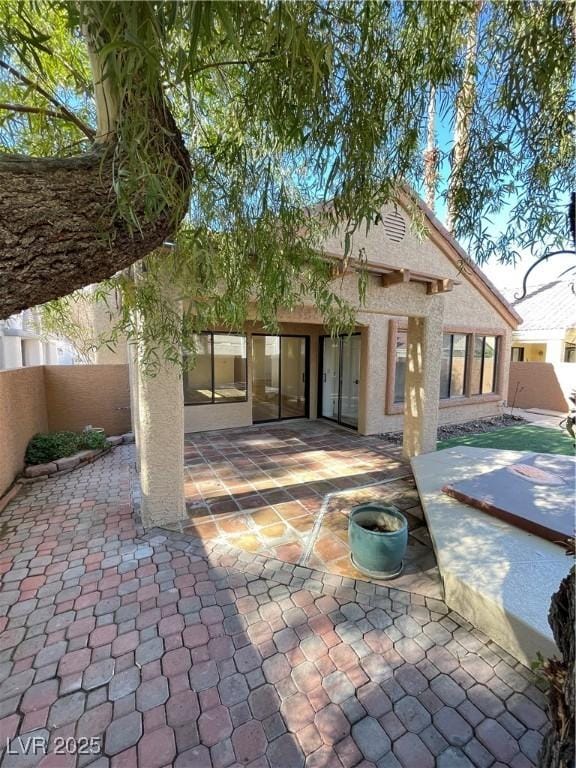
point(324, 378)
point(356, 381)
point(303, 378)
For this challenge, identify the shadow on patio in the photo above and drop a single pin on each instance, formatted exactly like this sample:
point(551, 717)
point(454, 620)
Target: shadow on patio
point(286, 490)
point(172, 651)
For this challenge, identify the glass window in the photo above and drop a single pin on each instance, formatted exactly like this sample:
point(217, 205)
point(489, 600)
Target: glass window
point(453, 365)
point(198, 380)
point(570, 353)
point(489, 372)
point(517, 354)
point(229, 368)
point(485, 365)
point(458, 370)
point(219, 373)
point(445, 366)
point(400, 376)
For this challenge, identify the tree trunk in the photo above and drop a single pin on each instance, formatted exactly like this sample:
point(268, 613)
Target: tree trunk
point(59, 230)
point(558, 747)
point(464, 109)
point(431, 153)
point(59, 223)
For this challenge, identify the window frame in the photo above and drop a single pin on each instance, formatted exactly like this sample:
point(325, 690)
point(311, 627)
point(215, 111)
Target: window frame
point(484, 336)
point(213, 400)
point(468, 398)
point(521, 351)
point(394, 353)
point(569, 351)
point(451, 359)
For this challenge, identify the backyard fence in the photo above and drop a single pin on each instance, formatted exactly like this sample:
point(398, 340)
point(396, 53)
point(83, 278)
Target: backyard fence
point(541, 385)
point(49, 398)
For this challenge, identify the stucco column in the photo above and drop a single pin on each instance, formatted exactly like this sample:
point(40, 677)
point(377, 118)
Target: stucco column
point(422, 388)
point(159, 406)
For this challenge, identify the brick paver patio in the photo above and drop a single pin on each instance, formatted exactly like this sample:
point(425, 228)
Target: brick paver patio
point(169, 650)
point(285, 491)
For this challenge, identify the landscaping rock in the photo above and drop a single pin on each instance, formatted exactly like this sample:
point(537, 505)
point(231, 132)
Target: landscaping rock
point(67, 462)
point(128, 437)
point(86, 455)
point(468, 428)
point(115, 440)
point(37, 470)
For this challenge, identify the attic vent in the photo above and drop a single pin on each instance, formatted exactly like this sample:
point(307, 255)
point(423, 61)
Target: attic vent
point(394, 226)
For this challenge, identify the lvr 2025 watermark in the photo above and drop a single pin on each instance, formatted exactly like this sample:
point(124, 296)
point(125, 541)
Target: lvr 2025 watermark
point(39, 745)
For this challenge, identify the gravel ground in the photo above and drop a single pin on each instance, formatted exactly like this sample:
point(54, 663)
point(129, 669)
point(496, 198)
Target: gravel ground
point(468, 428)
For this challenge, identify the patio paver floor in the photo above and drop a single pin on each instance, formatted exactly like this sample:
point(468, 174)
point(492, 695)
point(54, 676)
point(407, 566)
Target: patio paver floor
point(285, 490)
point(173, 651)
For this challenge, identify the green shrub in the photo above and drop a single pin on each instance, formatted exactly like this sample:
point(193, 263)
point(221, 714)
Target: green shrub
point(43, 448)
point(93, 440)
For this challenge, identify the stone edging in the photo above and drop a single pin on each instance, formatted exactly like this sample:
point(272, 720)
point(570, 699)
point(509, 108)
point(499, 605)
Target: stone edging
point(35, 472)
point(61, 466)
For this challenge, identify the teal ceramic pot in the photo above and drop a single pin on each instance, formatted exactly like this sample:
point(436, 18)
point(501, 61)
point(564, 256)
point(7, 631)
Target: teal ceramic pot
point(379, 552)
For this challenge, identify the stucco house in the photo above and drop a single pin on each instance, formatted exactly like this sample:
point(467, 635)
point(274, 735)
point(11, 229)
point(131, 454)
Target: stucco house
point(548, 330)
point(23, 343)
point(431, 345)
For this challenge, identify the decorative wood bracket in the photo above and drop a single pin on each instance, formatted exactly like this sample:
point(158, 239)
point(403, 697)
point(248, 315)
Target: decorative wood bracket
point(397, 276)
point(443, 285)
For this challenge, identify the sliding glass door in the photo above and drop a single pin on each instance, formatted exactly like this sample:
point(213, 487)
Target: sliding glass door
point(279, 377)
point(340, 379)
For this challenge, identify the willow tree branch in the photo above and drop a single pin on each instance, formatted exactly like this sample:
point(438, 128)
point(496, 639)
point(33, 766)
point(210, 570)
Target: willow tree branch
point(66, 114)
point(24, 108)
point(233, 62)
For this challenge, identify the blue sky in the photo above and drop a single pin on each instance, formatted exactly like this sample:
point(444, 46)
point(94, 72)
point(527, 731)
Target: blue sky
point(507, 278)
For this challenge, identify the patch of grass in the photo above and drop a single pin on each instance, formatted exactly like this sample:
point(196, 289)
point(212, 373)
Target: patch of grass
point(525, 437)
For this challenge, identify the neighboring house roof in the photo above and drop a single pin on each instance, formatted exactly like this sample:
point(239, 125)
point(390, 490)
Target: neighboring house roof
point(548, 307)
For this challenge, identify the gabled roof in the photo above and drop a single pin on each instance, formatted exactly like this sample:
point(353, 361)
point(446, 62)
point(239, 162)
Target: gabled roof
point(458, 256)
point(551, 306)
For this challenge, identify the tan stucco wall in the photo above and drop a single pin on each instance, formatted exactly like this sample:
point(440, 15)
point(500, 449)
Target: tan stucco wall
point(58, 397)
point(541, 385)
point(77, 395)
point(22, 415)
point(464, 305)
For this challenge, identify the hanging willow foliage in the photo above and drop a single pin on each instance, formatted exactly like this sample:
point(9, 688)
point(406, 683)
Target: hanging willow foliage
point(216, 125)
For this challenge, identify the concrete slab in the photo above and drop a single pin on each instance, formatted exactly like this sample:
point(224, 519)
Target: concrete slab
point(497, 576)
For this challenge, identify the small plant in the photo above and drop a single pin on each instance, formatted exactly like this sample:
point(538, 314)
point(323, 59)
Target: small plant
point(93, 439)
point(47, 447)
point(50, 446)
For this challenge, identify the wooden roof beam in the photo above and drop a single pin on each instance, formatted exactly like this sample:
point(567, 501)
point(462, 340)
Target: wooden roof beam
point(444, 285)
point(395, 277)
